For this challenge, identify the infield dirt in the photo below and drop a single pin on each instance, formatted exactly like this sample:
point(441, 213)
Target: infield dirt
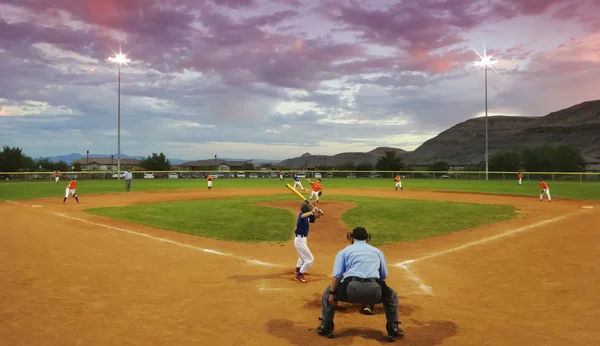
point(68, 279)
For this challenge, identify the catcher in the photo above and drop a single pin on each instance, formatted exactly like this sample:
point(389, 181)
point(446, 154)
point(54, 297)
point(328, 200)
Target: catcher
point(308, 214)
point(359, 272)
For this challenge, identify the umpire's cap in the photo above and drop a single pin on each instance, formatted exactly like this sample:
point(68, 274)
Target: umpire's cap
point(359, 233)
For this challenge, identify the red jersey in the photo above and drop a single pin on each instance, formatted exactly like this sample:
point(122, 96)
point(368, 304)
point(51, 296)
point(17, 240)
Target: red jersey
point(209, 177)
point(397, 178)
point(316, 186)
point(543, 185)
point(72, 185)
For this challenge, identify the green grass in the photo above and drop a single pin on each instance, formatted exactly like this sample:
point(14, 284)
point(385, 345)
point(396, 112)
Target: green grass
point(559, 189)
point(400, 220)
point(237, 219)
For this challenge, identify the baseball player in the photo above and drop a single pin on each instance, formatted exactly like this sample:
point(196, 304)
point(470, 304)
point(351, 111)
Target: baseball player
point(71, 190)
point(317, 190)
point(398, 182)
point(545, 190)
point(56, 176)
point(280, 175)
point(210, 179)
point(297, 182)
point(520, 177)
point(308, 214)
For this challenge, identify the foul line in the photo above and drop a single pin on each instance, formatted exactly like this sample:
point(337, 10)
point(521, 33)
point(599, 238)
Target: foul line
point(164, 240)
point(488, 239)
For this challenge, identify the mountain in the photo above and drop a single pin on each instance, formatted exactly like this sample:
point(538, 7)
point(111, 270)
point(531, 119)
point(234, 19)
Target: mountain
point(464, 143)
point(358, 158)
point(75, 156)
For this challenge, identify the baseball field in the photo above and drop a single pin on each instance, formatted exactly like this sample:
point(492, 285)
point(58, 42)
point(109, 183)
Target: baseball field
point(172, 263)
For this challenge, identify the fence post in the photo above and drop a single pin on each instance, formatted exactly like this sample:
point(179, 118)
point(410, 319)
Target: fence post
point(580, 177)
point(553, 177)
point(503, 177)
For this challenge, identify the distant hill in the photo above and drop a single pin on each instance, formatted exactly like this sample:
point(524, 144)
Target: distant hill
point(75, 156)
point(358, 158)
point(464, 143)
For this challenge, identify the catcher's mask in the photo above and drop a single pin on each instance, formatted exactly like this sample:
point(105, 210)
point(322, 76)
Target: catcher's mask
point(305, 206)
point(359, 233)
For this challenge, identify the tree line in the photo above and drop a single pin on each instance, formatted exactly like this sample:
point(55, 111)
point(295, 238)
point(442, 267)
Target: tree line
point(12, 159)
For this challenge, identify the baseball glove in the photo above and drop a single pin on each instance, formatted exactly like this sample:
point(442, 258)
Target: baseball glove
point(317, 211)
point(320, 193)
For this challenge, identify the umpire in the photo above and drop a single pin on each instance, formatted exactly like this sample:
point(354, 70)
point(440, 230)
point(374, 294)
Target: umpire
point(359, 272)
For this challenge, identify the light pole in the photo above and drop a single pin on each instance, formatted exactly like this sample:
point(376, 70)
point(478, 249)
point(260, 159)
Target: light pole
point(112, 164)
point(87, 162)
point(487, 62)
point(216, 163)
point(119, 59)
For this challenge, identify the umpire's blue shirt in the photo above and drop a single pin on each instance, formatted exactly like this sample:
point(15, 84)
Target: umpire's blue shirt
point(362, 260)
point(302, 225)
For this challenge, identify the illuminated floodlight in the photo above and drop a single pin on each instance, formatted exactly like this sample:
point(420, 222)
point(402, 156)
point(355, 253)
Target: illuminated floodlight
point(119, 58)
point(485, 61)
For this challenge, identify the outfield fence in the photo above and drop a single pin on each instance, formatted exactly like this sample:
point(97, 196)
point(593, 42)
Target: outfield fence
point(451, 175)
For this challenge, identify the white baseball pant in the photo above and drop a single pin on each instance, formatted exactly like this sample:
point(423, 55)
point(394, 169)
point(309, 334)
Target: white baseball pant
point(398, 184)
point(547, 192)
point(305, 257)
point(520, 181)
point(56, 179)
point(314, 194)
point(69, 191)
point(297, 183)
point(210, 183)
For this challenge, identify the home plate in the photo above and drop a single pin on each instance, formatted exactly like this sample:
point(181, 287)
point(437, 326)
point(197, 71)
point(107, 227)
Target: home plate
point(588, 207)
point(37, 206)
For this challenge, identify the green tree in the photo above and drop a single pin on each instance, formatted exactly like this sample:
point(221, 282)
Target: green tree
point(156, 162)
point(439, 166)
point(76, 166)
point(567, 159)
point(389, 162)
point(364, 167)
point(505, 161)
point(61, 166)
point(248, 166)
point(347, 166)
point(44, 163)
point(12, 159)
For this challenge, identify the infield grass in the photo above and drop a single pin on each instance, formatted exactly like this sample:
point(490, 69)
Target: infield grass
point(390, 220)
point(559, 189)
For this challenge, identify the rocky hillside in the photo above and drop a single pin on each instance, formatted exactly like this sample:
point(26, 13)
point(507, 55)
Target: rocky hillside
point(358, 158)
point(578, 126)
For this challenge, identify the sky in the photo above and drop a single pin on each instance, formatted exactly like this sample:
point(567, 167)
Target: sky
point(274, 79)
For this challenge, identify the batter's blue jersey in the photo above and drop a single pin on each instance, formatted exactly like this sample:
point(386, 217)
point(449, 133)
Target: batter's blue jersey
point(296, 178)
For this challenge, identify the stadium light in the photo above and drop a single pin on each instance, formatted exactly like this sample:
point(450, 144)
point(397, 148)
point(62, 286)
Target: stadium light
point(486, 62)
point(119, 59)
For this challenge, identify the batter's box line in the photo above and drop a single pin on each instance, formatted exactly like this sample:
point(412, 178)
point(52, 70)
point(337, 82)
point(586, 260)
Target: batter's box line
point(428, 290)
point(169, 241)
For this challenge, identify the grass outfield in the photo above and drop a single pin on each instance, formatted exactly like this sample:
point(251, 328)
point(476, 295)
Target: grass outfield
point(239, 220)
point(559, 189)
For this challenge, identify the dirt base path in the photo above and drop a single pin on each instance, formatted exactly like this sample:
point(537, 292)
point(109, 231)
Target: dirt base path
point(70, 278)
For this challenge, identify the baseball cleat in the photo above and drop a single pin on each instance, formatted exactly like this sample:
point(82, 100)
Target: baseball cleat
point(394, 332)
point(324, 330)
point(301, 278)
point(367, 309)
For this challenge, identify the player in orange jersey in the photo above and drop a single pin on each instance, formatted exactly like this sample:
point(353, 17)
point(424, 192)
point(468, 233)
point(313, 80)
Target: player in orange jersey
point(520, 177)
point(317, 189)
point(545, 190)
point(56, 176)
point(210, 179)
point(398, 182)
point(71, 190)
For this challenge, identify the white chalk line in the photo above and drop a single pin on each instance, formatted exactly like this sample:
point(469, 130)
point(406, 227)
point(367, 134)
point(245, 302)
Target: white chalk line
point(263, 287)
point(425, 289)
point(488, 239)
point(164, 240)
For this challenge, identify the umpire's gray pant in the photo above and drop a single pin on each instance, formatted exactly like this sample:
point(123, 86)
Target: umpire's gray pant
point(368, 293)
point(127, 184)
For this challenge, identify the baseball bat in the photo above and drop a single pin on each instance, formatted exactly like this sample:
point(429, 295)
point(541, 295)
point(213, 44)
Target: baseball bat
point(301, 196)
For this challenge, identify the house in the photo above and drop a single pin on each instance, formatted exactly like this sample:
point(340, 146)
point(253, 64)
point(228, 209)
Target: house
point(106, 164)
point(212, 165)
